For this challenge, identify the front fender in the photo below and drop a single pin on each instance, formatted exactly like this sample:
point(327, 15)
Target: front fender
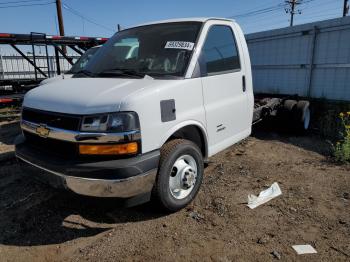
point(177, 127)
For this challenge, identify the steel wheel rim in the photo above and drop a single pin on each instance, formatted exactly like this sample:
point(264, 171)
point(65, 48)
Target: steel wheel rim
point(183, 177)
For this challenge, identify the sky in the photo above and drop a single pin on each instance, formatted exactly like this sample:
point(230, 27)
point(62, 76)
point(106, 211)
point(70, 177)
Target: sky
point(100, 17)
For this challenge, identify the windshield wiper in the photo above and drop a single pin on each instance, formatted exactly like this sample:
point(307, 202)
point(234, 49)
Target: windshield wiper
point(84, 72)
point(121, 72)
point(164, 75)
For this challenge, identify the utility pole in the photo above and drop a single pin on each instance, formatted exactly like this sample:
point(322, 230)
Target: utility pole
point(346, 8)
point(60, 17)
point(291, 9)
point(60, 21)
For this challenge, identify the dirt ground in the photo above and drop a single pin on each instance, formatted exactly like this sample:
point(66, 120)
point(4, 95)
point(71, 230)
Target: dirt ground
point(38, 223)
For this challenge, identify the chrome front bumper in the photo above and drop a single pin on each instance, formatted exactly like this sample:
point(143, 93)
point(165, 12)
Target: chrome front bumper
point(122, 178)
point(122, 188)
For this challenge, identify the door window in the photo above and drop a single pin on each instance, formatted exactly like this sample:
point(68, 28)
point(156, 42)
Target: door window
point(220, 51)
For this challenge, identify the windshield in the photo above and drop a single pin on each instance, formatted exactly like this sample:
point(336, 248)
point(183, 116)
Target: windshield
point(83, 60)
point(155, 50)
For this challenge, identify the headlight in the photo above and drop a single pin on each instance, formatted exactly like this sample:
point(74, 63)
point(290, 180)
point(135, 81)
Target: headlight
point(113, 122)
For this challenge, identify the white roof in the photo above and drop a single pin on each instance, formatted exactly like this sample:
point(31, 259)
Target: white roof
point(190, 19)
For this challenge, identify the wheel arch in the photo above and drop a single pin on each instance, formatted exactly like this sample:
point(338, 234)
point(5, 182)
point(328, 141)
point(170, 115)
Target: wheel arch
point(190, 130)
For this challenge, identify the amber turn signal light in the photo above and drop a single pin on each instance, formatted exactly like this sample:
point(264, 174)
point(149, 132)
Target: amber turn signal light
point(118, 149)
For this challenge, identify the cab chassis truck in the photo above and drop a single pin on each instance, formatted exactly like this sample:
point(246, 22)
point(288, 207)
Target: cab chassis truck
point(143, 126)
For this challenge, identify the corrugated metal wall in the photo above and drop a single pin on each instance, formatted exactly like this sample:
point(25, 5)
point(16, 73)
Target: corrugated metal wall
point(308, 60)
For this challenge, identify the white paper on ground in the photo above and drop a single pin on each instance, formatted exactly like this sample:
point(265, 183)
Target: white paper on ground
point(264, 196)
point(304, 249)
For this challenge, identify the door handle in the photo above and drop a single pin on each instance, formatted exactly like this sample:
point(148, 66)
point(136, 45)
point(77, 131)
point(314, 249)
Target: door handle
point(243, 84)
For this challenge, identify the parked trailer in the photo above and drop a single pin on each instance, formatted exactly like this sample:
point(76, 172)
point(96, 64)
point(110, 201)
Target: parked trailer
point(14, 66)
point(12, 90)
point(78, 44)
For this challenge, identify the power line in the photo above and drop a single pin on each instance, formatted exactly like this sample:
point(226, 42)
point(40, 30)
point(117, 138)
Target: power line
point(263, 22)
point(75, 12)
point(259, 11)
point(318, 4)
point(323, 16)
point(14, 6)
point(266, 26)
point(291, 9)
point(320, 12)
point(307, 4)
point(23, 1)
point(260, 20)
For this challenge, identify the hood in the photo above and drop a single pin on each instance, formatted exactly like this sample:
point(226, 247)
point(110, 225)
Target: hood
point(84, 95)
point(55, 78)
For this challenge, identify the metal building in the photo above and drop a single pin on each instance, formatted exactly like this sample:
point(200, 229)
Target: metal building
point(311, 60)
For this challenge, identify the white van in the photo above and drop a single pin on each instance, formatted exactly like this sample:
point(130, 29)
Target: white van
point(145, 114)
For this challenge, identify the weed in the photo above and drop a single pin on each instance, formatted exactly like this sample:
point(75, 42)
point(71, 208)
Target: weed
point(341, 149)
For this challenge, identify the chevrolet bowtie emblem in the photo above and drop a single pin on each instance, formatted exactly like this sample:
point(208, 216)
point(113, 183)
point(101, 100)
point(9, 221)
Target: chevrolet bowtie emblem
point(42, 131)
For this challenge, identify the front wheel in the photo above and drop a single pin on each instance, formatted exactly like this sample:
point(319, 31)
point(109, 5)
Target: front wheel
point(180, 174)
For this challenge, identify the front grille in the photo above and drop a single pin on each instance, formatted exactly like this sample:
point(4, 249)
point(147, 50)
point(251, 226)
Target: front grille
point(50, 146)
point(58, 120)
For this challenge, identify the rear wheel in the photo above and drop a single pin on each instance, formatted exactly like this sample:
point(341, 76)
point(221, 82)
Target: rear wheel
point(302, 116)
point(289, 106)
point(295, 115)
point(285, 115)
point(180, 174)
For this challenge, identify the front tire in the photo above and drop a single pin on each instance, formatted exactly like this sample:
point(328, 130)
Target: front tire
point(180, 174)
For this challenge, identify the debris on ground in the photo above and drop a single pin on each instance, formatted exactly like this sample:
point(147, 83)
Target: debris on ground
point(293, 209)
point(196, 216)
point(340, 251)
point(220, 169)
point(264, 196)
point(276, 254)
point(262, 240)
point(219, 207)
point(304, 249)
point(240, 152)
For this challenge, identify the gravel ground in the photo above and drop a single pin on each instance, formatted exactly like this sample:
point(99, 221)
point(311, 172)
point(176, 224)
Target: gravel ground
point(8, 131)
point(38, 223)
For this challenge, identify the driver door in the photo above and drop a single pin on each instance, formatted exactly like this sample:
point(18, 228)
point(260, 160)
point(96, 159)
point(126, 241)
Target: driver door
point(225, 99)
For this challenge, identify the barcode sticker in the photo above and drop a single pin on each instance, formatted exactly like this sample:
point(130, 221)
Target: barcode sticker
point(179, 45)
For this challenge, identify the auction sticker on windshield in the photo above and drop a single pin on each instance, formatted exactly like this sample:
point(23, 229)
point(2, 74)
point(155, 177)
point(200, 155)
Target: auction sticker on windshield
point(179, 45)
